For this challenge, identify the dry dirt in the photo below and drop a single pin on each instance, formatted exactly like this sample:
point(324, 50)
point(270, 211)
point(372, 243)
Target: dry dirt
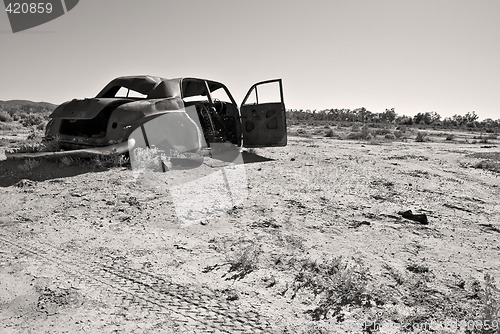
point(318, 246)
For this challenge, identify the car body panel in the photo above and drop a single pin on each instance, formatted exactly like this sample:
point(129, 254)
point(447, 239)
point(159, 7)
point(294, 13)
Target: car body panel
point(96, 125)
point(264, 123)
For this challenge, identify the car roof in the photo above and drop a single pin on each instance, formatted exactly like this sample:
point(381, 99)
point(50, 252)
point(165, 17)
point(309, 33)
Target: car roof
point(158, 87)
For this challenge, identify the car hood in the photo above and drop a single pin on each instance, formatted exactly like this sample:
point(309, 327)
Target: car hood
point(86, 108)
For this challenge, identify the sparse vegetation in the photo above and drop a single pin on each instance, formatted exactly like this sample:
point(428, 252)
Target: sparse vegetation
point(329, 133)
point(490, 165)
point(421, 137)
point(243, 261)
point(336, 282)
point(5, 117)
point(490, 305)
point(363, 134)
point(108, 161)
point(34, 144)
point(147, 159)
point(32, 119)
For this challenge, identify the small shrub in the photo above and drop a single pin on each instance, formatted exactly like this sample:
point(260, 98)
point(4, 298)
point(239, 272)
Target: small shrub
point(382, 132)
point(41, 126)
point(107, 161)
point(489, 298)
point(147, 159)
point(390, 136)
point(421, 137)
point(336, 282)
point(491, 165)
point(401, 128)
point(398, 134)
point(5, 117)
point(32, 119)
point(329, 133)
point(243, 262)
point(363, 134)
point(492, 136)
point(33, 145)
point(6, 127)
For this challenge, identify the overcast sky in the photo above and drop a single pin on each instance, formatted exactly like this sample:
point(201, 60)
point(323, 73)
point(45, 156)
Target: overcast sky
point(414, 56)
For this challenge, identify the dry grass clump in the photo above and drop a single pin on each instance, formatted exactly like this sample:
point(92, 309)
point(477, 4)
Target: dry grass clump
point(490, 162)
point(382, 132)
point(329, 133)
point(421, 137)
point(390, 136)
point(363, 134)
point(491, 305)
point(336, 283)
point(97, 162)
point(5, 117)
point(490, 165)
point(147, 159)
point(34, 144)
point(242, 262)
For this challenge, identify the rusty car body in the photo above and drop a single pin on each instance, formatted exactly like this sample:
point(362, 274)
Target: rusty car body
point(184, 114)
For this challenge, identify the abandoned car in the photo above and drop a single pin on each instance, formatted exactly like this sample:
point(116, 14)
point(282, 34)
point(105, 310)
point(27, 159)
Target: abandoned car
point(180, 115)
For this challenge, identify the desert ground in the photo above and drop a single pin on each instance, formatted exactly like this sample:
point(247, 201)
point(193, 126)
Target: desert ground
point(319, 245)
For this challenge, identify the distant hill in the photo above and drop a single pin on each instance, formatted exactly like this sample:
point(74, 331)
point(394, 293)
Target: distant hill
point(18, 106)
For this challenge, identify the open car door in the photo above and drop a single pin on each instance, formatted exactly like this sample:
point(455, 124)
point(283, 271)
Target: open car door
point(263, 118)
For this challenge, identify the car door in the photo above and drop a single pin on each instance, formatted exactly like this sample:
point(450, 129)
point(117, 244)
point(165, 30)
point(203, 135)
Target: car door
point(263, 117)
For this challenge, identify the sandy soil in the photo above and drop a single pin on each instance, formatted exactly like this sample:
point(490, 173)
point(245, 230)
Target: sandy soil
point(98, 251)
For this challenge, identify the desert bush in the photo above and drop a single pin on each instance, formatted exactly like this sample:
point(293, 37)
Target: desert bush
point(390, 136)
point(111, 160)
point(147, 159)
point(402, 128)
point(421, 137)
point(33, 145)
point(7, 127)
point(485, 155)
point(364, 133)
point(336, 283)
point(28, 147)
point(5, 117)
point(243, 261)
point(398, 134)
point(329, 133)
point(491, 303)
point(32, 119)
point(357, 136)
point(382, 132)
point(41, 126)
point(491, 165)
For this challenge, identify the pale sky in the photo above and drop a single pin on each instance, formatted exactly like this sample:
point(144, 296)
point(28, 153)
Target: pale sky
point(414, 56)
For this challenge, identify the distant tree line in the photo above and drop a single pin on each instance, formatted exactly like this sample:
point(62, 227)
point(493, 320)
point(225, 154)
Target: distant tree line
point(389, 116)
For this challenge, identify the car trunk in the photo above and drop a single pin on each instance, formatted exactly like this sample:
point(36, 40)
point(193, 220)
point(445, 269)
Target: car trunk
point(86, 119)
